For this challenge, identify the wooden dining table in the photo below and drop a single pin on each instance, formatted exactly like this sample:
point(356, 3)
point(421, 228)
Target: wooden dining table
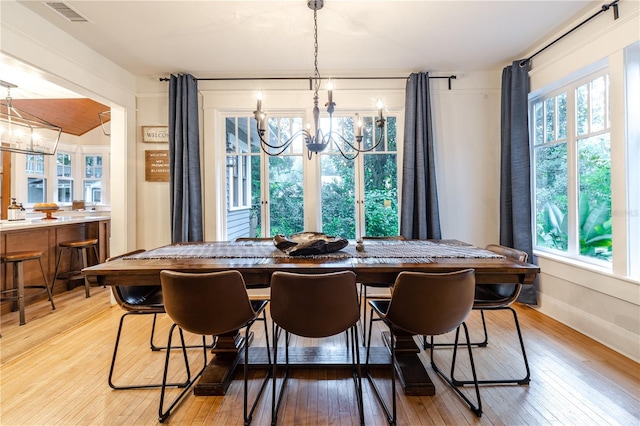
point(379, 261)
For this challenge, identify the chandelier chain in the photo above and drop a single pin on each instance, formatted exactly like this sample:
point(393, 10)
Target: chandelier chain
point(315, 50)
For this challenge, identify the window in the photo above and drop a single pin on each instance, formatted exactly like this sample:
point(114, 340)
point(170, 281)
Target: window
point(92, 184)
point(348, 197)
point(36, 182)
point(64, 178)
point(572, 168)
point(632, 155)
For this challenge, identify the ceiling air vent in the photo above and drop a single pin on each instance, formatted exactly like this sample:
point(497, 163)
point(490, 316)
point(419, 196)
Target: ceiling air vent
point(66, 12)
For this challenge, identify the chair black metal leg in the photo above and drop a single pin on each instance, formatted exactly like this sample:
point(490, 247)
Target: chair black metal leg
point(113, 363)
point(156, 348)
point(356, 369)
point(276, 398)
point(390, 414)
point(477, 409)
point(481, 344)
point(248, 414)
point(522, 381)
point(164, 415)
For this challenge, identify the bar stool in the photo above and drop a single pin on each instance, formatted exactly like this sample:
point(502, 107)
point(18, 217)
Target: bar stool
point(16, 259)
point(80, 247)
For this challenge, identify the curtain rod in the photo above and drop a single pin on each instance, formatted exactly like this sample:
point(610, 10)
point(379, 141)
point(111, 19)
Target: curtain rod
point(604, 8)
point(311, 79)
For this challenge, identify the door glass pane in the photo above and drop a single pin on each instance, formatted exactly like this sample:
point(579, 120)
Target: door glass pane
point(338, 196)
point(381, 195)
point(286, 195)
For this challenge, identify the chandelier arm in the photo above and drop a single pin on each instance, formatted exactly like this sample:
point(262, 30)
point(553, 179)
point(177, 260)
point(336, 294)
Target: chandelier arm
point(353, 146)
point(281, 147)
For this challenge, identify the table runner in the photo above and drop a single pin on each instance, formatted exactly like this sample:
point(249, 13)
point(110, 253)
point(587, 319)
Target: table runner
point(373, 248)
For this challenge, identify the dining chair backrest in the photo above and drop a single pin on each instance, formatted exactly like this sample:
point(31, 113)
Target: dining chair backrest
point(211, 303)
point(314, 305)
point(510, 291)
point(430, 304)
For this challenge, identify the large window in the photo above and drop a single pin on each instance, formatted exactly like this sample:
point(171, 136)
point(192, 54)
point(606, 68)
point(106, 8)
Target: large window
point(64, 178)
point(572, 168)
point(341, 197)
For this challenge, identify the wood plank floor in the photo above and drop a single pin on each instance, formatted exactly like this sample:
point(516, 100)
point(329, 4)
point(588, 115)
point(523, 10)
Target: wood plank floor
point(58, 376)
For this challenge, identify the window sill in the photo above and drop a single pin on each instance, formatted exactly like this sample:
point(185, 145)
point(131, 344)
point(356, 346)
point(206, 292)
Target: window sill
point(590, 276)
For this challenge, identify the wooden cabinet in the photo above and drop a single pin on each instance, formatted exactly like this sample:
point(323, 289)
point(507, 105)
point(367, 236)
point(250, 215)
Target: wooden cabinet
point(46, 239)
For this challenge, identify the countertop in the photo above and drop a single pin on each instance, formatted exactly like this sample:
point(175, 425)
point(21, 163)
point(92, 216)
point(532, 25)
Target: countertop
point(61, 218)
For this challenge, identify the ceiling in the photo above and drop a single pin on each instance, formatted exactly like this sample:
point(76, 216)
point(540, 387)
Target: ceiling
point(275, 38)
point(230, 38)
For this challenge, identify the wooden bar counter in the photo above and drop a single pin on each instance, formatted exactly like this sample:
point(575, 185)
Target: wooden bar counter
point(44, 235)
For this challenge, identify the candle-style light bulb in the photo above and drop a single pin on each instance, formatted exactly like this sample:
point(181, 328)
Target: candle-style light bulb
point(380, 107)
point(259, 106)
point(359, 125)
point(330, 90)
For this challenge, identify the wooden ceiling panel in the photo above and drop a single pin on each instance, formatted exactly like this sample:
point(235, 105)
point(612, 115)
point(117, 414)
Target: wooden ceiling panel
point(75, 116)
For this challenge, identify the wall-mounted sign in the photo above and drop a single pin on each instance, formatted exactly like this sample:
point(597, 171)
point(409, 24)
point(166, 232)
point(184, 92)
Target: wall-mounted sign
point(155, 134)
point(156, 165)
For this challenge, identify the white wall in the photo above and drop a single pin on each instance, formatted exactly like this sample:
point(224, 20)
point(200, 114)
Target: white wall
point(604, 305)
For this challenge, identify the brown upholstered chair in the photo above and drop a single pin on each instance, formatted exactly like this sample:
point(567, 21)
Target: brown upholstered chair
point(426, 304)
point(315, 306)
point(493, 297)
point(210, 304)
point(363, 286)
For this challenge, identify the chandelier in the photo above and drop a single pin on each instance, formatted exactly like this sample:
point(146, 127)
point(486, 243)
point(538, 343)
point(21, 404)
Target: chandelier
point(105, 118)
point(317, 141)
point(23, 132)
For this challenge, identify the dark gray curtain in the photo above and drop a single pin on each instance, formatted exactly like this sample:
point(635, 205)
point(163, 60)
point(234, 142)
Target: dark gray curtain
point(184, 160)
point(419, 218)
point(515, 170)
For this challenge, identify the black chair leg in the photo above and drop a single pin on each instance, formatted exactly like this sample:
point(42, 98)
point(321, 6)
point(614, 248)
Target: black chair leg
point(248, 414)
point(477, 409)
point(164, 414)
point(276, 397)
point(521, 381)
point(113, 363)
point(389, 413)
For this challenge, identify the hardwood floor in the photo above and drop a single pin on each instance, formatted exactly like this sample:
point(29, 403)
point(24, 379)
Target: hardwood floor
point(54, 371)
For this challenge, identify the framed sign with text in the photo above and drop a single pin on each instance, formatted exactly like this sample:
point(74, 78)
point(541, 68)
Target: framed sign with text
point(155, 133)
point(156, 165)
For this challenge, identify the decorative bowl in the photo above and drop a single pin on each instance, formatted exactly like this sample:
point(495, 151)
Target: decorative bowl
point(309, 243)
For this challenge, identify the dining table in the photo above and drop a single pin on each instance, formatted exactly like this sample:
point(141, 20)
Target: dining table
point(373, 261)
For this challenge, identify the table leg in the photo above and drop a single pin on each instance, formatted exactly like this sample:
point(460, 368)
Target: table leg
point(411, 372)
point(219, 372)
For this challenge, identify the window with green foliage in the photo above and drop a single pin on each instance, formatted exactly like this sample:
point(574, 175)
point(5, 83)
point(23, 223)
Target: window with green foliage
point(360, 197)
point(572, 168)
point(356, 197)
